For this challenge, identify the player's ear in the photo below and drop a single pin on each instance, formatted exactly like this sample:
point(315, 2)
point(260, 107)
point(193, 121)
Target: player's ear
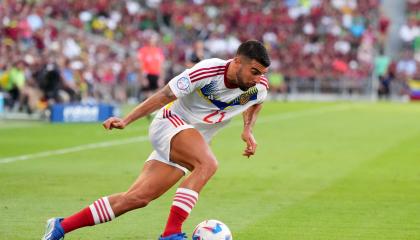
point(237, 60)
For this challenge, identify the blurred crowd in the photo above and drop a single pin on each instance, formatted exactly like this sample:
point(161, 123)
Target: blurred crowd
point(395, 74)
point(100, 50)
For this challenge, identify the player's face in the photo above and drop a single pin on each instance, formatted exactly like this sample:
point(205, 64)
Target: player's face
point(249, 73)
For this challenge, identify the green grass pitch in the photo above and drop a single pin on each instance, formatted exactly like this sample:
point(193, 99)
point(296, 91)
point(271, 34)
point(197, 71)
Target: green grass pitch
point(322, 171)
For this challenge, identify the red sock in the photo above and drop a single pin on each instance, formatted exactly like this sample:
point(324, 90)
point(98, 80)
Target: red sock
point(98, 212)
point(183, 203)
point(81, 219)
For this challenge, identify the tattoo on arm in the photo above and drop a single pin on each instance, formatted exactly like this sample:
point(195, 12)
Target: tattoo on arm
point(167, 92)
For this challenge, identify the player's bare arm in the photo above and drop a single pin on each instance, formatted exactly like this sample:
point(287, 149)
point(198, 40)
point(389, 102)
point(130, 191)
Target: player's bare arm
point(250, 117)
point(155, 102)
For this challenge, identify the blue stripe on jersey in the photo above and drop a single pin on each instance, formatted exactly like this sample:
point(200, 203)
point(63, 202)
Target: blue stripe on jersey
point(208, 92)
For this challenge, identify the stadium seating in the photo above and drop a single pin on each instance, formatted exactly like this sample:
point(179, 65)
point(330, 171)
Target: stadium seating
point(316, 46)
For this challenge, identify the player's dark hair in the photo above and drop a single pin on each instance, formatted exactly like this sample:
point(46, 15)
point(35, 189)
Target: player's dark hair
point(254, 49)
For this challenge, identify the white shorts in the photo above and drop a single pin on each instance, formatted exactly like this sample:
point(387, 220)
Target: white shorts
point(164, 127)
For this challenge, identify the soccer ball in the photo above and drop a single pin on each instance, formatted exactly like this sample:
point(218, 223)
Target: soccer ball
point(212, 230)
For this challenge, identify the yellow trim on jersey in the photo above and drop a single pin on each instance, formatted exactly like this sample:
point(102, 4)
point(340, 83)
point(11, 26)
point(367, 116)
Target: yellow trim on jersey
point(204, 97)
point(169, 105)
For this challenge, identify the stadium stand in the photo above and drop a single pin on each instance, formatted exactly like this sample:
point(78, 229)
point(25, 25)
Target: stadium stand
point(64, 51)
point(408, 66)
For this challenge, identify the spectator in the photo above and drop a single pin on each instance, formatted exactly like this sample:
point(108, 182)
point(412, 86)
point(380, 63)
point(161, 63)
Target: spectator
point(15, 81)
point(196, 54)
point(49, 81)
point(383, 27)
point(406, 66)
point(384, 89)
point(68, 75)
point(409, 32)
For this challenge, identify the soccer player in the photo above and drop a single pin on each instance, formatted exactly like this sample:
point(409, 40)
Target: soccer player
point(193, 107)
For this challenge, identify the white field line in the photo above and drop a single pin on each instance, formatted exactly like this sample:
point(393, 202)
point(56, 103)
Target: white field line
point(276, 117)
point(73, 149)
point(7, 126)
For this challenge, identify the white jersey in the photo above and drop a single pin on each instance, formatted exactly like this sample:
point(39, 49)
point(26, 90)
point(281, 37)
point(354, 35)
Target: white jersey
point(205, 97)
point(205, 102)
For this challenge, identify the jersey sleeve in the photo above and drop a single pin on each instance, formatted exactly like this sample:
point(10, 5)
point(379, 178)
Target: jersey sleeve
point(186, 82)
point(262, 89)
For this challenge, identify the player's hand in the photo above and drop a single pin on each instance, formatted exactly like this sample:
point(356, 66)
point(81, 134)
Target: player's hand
point(114, 122)
point(251, 143)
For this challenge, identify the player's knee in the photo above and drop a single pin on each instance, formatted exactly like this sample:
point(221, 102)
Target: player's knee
point(208, 167)
point(213, 166)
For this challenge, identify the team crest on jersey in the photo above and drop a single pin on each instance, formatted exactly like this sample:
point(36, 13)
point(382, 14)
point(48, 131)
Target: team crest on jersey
point(244, 99)
point(183, 83)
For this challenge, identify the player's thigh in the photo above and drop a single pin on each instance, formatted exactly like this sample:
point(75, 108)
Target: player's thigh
point(155, 179)
point(189, 149)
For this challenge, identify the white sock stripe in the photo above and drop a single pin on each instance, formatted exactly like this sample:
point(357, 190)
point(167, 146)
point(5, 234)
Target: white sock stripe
point(103, 210)
point(184, 202)
point(98, 210)
point(182, 206)
point(94, 214)
point(194, 199)
point(188, 191)
point(108, 207)
point(185, 199)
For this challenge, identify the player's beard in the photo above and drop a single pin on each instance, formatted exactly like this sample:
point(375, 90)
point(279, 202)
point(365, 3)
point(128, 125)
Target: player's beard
point(240, 82)
point(243, 88)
